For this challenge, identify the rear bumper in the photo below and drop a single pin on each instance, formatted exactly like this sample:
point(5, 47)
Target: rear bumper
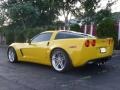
point(81, 62)
point(81, 57)
point(99, 60)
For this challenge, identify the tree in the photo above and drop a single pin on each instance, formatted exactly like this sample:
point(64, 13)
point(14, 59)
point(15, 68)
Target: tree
point(47, 10)
point(30, 13)
point(21, 14)
point(59, 25)
point(75, 27)
point(104, 13)
point(24, 14)
point(101, 15)
point(89, 7)
point(66, 8)
point(116, 16)
point(91, 14)
point(106, 28)
point(2, 18)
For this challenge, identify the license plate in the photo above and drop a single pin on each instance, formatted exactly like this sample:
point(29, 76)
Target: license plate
point(102, 50)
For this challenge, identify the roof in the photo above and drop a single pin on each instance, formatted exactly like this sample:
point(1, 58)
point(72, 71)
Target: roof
point(57, 31)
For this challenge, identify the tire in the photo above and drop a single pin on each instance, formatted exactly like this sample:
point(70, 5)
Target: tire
point(12, 56)
point(60, 61)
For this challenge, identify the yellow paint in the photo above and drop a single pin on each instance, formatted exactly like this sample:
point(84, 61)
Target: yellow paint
point(75, 47)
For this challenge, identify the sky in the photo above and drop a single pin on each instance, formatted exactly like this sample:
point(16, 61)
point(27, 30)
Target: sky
point(115, 7)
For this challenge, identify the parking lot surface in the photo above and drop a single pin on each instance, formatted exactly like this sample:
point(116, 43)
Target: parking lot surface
point(27, 76)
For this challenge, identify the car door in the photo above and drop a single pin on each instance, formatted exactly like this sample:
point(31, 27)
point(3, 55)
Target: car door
point(36, 51)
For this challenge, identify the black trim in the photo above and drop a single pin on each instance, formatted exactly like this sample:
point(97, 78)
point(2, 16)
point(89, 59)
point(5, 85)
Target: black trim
point(98, 60)
point(48, 43)
point(21, 52)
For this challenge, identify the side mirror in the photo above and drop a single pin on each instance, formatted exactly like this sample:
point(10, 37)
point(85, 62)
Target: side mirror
point(28, 41)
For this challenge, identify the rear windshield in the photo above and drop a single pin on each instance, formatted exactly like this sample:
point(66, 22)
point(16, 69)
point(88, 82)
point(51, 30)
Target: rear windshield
point(67, 35)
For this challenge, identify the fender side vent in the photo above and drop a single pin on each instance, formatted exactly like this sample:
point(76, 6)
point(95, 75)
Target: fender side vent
point(21, 52)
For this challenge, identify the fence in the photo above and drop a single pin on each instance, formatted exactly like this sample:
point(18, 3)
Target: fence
point(88, 29)
point(92, 29)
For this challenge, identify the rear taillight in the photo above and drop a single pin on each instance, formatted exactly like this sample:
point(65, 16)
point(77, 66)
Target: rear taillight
point(87, 43)
point(93, 43)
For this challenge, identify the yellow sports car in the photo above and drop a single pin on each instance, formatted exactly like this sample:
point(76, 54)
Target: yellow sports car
point(62, 49)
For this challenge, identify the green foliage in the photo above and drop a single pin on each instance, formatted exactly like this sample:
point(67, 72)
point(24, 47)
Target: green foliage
point(30, 13)
point(59, 24)
point(116, 16)
point(20, 35)
point(23, 16)
point(75, 27)
point(89, 7)
point(2, 18)
point(10, 36)
point(65, 7)
point(31, 32)
point(106, 28)
point(91, 13)
point(102, 14)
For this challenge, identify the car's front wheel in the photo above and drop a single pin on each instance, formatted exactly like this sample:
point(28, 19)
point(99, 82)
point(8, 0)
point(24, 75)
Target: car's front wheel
point(12, 57)
point(60, 60)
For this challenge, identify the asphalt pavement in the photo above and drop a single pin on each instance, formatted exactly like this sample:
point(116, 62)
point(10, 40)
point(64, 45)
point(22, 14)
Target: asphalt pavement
point(28, 76)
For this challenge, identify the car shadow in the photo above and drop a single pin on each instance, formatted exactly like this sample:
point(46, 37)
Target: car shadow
point(91, 69)
point(86, 70)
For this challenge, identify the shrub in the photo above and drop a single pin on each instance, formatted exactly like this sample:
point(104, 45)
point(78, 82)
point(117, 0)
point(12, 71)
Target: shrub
point(21, 35)
point(75, 27)
point(106, 28)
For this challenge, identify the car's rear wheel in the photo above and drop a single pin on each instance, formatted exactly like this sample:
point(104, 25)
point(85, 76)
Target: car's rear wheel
point(12, 56)
point(60, 60)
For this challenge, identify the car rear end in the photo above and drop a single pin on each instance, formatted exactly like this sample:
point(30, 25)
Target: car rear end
point(83, 48)
point(93, 50)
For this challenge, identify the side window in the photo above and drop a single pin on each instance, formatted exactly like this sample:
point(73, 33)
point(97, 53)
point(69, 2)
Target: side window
point(67, 35)
point(42, 37)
